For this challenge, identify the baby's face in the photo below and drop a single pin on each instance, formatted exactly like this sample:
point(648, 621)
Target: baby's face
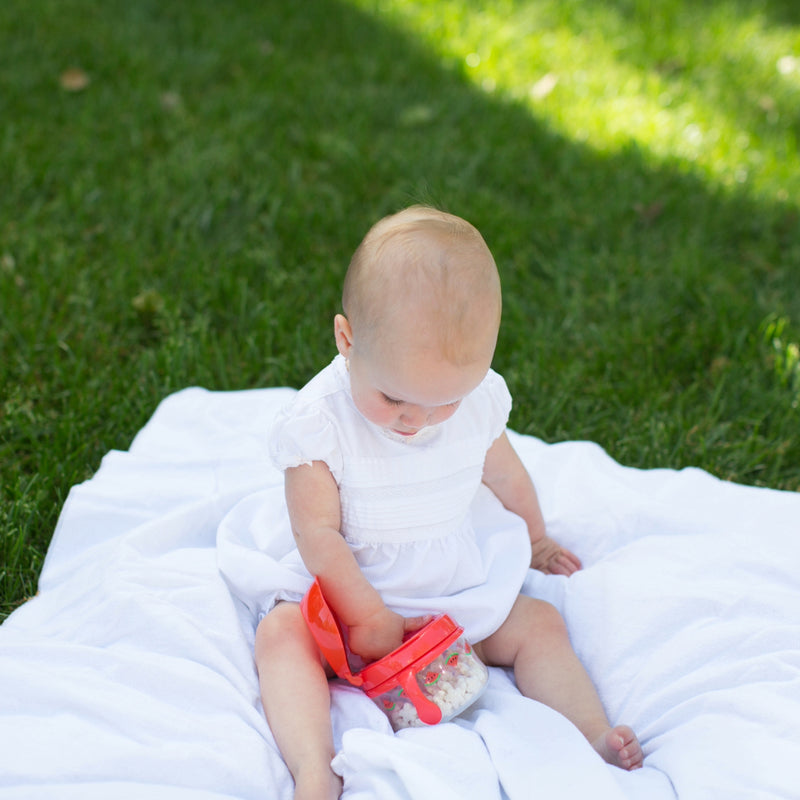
point(408, 385)
point(412, 391)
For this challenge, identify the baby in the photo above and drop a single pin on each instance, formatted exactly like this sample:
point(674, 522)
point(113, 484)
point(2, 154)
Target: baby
point(387, 454)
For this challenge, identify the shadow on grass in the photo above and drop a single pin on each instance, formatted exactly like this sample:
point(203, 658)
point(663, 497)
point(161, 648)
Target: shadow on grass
point(227, 162)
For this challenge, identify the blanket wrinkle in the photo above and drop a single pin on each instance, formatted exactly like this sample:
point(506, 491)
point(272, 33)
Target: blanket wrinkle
point(443, 762)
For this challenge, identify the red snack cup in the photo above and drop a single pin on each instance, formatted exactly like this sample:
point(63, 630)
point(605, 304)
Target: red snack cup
point(432, 677)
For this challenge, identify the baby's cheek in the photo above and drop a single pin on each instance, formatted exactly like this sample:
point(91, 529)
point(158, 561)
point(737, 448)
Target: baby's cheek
point(442, 414)
point(375, 412)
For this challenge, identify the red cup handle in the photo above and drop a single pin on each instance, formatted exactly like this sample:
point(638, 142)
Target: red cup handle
point(427, 711)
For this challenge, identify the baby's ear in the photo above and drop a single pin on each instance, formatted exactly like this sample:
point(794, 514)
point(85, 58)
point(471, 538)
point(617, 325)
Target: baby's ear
point(343, 334)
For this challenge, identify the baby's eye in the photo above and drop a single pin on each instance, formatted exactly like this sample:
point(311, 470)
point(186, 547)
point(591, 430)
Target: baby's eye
point(391, 401)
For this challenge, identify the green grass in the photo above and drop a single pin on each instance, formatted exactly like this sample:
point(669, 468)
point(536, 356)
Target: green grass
point(186, 217)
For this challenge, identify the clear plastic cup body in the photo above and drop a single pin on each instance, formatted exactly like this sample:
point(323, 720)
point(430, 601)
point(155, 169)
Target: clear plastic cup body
point(453, 680)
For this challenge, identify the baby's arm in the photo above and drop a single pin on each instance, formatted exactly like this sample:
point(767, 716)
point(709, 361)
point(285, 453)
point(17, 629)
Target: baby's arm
point(505, 474)
point(312, 497)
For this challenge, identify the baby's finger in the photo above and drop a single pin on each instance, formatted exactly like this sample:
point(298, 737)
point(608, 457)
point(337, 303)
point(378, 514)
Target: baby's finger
point(411, 624)
point(573, 561)
point(562, 564)
point(557, 568)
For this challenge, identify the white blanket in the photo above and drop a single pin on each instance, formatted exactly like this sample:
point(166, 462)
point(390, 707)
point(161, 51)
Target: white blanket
point(131, 674)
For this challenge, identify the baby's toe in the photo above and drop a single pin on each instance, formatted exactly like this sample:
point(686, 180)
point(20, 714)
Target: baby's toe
point(620, 747)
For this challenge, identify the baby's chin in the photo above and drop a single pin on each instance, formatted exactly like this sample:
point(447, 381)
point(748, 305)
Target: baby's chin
point(423, 434)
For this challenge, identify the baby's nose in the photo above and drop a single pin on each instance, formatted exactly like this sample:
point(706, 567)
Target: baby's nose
point(415, 416)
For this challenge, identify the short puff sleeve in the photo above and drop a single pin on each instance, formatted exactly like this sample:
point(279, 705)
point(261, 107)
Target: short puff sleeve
point(498, 400)
point(301, 434)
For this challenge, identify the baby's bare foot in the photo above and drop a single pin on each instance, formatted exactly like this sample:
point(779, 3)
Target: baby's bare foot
point(620, 747)
point(313, 785)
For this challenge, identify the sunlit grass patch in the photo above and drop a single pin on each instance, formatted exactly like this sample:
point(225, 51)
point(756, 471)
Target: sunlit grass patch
point(712, 85)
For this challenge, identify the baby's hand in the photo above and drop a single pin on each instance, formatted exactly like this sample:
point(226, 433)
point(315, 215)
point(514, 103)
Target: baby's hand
point(551, 558)
point(375, 636)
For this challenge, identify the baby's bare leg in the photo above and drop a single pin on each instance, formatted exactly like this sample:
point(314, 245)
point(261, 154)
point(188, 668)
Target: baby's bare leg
point(534, 640)
point(296, 699)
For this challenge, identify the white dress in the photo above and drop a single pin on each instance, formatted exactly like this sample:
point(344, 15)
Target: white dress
point(427, 534)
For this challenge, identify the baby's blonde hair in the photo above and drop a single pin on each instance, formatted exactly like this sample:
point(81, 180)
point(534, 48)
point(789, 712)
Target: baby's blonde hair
point(431, 261)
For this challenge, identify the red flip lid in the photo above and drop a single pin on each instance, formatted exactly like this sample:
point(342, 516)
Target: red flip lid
point(417, 651)
point(327, 634)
